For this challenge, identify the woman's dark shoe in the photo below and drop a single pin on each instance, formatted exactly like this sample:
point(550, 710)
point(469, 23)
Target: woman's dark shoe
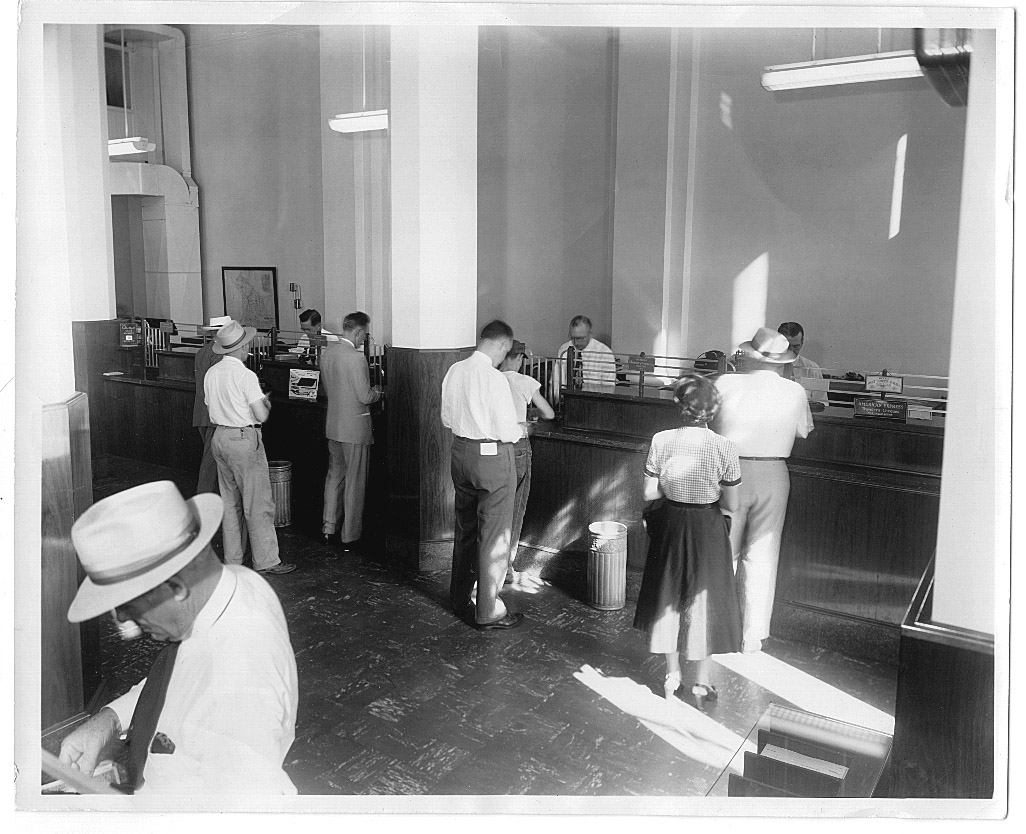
point(704, 693)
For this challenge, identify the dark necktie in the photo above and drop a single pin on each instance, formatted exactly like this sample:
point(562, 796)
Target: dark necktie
point(578, 372)
point(147, 711)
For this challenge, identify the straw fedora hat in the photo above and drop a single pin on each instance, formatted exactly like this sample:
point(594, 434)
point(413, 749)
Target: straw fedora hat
point(769, 346)
point(232, 336)
point(131, 542)
point(216, 322)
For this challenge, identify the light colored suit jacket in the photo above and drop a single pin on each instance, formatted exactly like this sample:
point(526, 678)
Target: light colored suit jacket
point(345, 379)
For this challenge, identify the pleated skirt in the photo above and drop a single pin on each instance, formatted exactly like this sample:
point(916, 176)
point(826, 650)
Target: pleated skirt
point(687, 602)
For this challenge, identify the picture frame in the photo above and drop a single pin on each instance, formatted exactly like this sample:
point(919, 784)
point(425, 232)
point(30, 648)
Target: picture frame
point(251, 295)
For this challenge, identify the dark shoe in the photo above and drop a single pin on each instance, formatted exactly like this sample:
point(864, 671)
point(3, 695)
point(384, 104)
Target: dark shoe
point(704, 693)
point(348, 547)
point(509, 621)
point(278, 570)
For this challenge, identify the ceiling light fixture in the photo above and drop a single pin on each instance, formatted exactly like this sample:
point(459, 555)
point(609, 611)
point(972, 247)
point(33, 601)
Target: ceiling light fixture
point(364, 120)
point(855, 69)
point(129, 144)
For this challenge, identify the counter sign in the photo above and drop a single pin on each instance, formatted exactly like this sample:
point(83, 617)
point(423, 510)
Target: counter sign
point(881, 409)
point(885, 383)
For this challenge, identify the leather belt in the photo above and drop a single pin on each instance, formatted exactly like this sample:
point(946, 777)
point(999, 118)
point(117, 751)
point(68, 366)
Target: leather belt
point(475, 439)
point(247, 426)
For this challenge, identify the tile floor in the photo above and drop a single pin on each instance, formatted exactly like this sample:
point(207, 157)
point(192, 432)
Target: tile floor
point(399, 697)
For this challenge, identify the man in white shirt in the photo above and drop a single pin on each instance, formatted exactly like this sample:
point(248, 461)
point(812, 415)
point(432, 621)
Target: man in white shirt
point(802, 367)
point(237, 407)
point(594, 363)
point(217, 712)
point(478, 406)
point(763, 414)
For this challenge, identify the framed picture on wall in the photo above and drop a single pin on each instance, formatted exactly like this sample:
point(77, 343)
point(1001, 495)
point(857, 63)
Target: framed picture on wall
point(251, 295)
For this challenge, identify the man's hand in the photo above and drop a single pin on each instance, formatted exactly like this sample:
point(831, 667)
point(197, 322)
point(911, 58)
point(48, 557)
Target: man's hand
point(82, 748)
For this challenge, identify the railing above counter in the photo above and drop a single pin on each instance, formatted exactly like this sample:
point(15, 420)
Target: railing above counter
point(645, 376)
point(164, 344)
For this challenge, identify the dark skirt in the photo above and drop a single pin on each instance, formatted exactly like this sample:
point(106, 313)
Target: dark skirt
point(687, 602)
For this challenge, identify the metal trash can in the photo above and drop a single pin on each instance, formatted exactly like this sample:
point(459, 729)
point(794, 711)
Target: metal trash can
point(607, 565)
point(281, 490)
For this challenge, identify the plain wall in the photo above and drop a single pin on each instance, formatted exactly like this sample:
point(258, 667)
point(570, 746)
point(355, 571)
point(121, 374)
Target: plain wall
point(546, 151)
point(254, 108)
point(805, 180)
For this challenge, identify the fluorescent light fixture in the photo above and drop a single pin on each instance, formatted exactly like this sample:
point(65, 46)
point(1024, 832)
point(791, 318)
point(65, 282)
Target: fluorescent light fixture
point(133, 144)
point(856, 69)
point(359, 122)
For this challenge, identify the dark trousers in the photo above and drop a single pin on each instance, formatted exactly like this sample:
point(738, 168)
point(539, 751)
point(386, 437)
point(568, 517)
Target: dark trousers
point(207, 479)
point(522, 461)
point(485, 493)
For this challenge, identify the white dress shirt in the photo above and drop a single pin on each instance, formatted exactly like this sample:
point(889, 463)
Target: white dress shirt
point(598, 365)
point(228, 388)
point(477, 402)
point(231, 703)
point(762, 413)
point(803, 368)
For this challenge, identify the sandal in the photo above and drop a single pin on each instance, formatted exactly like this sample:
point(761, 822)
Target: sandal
point(703, 692)
point(671, 684)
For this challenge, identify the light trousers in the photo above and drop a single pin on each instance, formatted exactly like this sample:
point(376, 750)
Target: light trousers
point(485, 487)
point(246, 492)
point(345, 489)
point(755, 533)
point(522, 464)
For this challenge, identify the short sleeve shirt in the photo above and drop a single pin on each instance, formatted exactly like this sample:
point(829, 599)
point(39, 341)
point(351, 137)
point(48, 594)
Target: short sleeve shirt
point(692, 464)
point(229, 387)
point(523, 388)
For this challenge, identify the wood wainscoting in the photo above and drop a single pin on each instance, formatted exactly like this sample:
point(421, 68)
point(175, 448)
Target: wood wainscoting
point(70, 672)
point(420, 484)
point(944, 709)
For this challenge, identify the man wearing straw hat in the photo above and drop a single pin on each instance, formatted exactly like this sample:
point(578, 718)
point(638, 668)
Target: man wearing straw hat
point(217, 711)
point(237, 407)
point(206, 481)
point(763, 414)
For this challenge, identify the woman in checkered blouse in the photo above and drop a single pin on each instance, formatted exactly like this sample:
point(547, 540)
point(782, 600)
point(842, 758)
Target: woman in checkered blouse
point(687, 603)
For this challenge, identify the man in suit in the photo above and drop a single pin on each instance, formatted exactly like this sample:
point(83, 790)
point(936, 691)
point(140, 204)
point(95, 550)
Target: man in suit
point(205, 357)
point(346, 382)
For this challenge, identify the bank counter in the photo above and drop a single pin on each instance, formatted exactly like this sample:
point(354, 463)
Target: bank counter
point(861, 520)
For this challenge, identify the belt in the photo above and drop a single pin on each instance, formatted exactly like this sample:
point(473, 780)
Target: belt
point(247, 426)
point(475, 439)
point(749, 457)
point(687, 506)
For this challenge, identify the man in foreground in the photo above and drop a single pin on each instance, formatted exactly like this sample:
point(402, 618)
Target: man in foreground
point(217, 712)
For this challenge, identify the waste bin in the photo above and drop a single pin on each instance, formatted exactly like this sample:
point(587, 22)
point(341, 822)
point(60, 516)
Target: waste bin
point(281, 490)
point(607, 565)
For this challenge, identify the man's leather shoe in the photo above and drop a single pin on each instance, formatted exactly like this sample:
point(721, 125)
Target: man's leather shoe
point(511, 620)
point(278, 570)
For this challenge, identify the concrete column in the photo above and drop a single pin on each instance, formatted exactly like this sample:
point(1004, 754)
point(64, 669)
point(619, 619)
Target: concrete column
point(972, 535)
point(433, 135)
point(433, 150)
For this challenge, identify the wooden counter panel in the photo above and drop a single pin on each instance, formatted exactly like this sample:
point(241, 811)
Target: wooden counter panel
point(576, 483)
point(853, 547)
point(873, 443)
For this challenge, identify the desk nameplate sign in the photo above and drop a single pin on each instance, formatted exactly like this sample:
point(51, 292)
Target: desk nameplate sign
point(880, 409)
point(884, 383)
point(640, 362)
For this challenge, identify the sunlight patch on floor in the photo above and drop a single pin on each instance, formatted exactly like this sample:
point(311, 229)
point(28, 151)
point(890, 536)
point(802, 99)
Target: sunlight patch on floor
point(681, 725)
point(805, 691)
